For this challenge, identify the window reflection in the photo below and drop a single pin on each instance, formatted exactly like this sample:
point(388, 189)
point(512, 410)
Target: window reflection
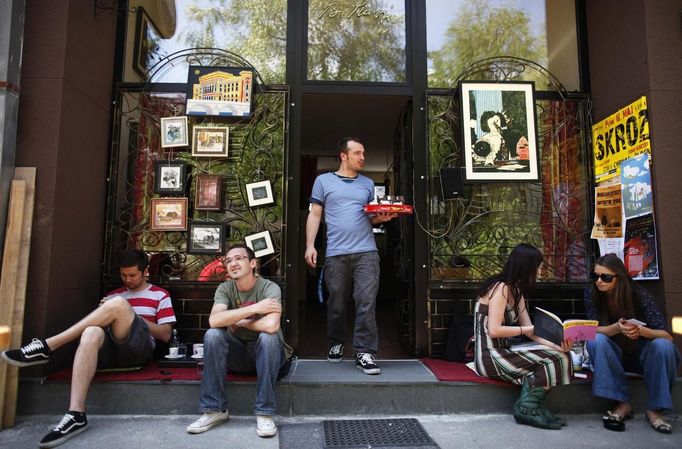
point(461, 32)
point(356, 40)
point(255, 30)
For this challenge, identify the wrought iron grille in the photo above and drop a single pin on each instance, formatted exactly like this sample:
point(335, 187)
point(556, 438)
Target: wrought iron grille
point(470, 237)
point(256, 152)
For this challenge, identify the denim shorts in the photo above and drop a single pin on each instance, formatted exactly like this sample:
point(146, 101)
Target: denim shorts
point(136, 350)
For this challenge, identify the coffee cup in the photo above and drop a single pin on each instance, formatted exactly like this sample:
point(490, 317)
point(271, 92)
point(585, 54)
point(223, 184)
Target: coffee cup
point(173, 352)
point(198, 350)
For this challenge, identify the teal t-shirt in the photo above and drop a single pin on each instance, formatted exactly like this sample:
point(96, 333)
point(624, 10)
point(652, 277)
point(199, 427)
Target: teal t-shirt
point(228, 294)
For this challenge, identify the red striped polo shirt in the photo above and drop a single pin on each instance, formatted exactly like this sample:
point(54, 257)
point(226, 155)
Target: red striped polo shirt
point(153, 303)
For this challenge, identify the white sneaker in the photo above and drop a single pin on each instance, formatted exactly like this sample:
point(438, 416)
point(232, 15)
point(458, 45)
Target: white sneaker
point(265, 426)
point(208, 420)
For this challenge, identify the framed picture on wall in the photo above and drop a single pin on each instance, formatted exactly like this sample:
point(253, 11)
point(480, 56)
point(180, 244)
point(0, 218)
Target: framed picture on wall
point(500, 142)
point(210, 141)
point(168, 214)
point(259, 193)
point(219, 91)
point(170, 177)
point(260, 243)
point(174, 132)
point(206, 238)
point(145, 50)
point(208, 192)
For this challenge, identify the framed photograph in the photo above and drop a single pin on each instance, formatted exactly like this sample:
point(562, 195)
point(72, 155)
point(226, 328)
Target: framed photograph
point(208, 192)
point(168, 214)
point(210, 141)
point(500, 142)
point(174, 132)
point(170, 177)
point(259, 193)
point(145, 51)
point(219, 91)
point(260, 243)
point(206, 238)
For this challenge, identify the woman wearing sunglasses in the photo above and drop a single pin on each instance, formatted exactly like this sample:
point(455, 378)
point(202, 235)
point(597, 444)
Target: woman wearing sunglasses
point(500, 314)
point(625, 345)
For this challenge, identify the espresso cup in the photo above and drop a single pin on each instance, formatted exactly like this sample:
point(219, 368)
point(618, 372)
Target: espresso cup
point(198, 349)
point(173, 352)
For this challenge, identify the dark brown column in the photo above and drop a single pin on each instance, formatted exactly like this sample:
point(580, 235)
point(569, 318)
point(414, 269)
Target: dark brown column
point(64, 117)
point(635, 49)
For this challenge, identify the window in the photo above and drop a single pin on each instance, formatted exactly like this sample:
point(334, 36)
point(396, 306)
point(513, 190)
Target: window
point(462, 32)
point(351, 40)
point(255, 30)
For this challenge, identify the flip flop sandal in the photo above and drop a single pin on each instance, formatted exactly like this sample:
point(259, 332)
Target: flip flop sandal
point(659, 425)
point(615, 422)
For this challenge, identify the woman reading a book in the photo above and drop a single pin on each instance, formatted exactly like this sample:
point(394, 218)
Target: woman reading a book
point(643, 345)
point(501, 313)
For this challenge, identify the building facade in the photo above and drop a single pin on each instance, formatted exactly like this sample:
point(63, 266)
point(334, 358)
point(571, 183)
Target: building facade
point(96, 79)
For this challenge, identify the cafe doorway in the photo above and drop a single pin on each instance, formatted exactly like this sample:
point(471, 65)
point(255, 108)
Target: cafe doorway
point(381, 121)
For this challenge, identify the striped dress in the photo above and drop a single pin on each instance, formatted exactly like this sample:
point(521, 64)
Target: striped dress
point(492, 358)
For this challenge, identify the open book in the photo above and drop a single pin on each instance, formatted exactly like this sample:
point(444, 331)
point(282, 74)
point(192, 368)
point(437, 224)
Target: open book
point(550, 327)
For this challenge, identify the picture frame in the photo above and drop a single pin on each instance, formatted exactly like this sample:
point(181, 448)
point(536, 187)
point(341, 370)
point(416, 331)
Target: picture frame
point(168, 214)
point(174, 132)
point(208, 191)
point(260, 243)
point(219, 91)
point(170, 177)
point(210, 141)
point(259, 193)
point(499, 131)
point(206, 237)
point(145, 53)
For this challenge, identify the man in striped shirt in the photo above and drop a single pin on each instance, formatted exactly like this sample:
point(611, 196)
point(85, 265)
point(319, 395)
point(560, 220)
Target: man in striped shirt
point(121, 332)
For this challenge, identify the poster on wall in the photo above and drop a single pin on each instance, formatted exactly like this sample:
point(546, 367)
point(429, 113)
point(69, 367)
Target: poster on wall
point(635, 178)
point(640, 254)
point(620, 136)
point(499, 131)
point(219, 91)
point(608, 215)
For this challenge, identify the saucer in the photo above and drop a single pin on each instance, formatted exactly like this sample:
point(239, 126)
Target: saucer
point(197, 356)
point(171, 357)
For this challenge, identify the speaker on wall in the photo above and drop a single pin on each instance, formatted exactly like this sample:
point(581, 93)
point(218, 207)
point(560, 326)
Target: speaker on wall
point(451, 182)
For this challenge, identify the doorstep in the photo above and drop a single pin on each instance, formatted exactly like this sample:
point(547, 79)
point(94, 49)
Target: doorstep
point(317, 387)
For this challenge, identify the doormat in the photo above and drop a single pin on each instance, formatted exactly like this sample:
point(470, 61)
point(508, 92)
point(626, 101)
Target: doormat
point(385, 433)
point(404, 433)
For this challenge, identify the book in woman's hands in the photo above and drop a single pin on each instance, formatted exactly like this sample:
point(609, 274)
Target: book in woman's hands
point(550, 327)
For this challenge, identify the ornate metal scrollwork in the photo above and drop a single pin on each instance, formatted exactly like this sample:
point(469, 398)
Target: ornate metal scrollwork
point(256, 152)
point(471, 236)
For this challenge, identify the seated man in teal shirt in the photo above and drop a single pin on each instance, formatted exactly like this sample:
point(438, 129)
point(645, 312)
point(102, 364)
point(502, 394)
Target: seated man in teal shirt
point(244, 337)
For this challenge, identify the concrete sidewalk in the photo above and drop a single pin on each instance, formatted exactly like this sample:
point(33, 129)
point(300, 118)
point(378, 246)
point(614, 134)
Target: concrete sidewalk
point(449, 431)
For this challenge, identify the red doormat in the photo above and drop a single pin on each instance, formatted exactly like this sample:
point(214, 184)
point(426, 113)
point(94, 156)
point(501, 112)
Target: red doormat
point(458, 372)
point(146, 373)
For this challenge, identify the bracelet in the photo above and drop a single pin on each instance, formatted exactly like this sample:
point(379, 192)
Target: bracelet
point(521, 330)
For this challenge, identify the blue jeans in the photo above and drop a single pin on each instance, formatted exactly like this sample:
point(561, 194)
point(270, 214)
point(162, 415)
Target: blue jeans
point(357, 276)
point(657, 360)
point(222, 350)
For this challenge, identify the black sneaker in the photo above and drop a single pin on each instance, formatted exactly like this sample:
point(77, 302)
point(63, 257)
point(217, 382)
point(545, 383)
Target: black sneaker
point(33, 353)
point(365, 362)
point(71, 425)
point(335, 354)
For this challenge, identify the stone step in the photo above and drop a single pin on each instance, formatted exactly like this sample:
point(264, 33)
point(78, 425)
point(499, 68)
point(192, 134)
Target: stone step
point(319, 388)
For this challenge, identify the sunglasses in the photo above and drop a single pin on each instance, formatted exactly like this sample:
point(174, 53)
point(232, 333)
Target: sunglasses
point(603, 276)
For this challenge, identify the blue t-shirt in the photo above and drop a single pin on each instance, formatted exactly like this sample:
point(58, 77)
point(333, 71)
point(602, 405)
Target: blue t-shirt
point(349, 230)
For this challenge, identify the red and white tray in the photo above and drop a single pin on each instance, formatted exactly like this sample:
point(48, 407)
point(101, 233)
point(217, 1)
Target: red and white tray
point(388, 209)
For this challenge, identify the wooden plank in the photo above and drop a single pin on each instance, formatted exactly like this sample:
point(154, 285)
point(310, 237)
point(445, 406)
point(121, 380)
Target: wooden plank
point(10, 267)
point(28, 175)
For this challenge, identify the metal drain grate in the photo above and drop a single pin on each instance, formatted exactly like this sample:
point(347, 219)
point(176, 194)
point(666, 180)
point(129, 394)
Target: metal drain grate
point(404, 432)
